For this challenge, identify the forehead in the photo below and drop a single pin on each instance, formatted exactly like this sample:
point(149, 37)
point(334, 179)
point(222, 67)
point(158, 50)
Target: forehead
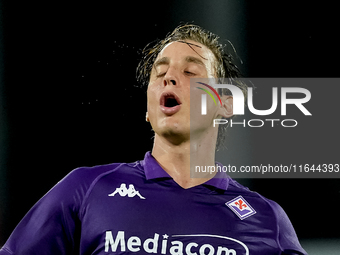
point(182, 49)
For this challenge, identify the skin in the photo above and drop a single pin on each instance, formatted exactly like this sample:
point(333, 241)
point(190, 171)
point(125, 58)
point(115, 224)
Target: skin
point(179, 141)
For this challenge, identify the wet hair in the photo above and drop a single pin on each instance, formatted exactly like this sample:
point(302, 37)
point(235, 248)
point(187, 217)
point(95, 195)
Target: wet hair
point(224, 67)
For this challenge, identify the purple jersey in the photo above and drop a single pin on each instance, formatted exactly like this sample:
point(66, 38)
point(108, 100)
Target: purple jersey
point(138, 208)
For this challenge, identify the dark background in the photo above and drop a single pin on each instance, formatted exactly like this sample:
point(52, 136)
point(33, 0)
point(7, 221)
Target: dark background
point(69, 95)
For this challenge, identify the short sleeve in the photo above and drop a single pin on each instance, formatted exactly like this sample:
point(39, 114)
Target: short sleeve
point(287, 238)
point(52, 225)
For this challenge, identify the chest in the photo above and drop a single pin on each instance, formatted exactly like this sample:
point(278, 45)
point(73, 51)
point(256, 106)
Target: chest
point(162, 218)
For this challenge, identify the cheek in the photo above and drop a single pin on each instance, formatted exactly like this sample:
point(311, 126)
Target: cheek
point(152, 100)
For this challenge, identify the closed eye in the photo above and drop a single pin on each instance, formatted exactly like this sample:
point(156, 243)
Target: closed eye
point(160, 75)
point(186, 72)
point(189, 73)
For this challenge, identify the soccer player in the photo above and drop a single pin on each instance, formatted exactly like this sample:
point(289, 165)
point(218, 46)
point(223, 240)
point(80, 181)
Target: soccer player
point(154, 205)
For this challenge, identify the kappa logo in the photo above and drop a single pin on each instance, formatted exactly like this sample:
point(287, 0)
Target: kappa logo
point(241, 207)
point(123, 191)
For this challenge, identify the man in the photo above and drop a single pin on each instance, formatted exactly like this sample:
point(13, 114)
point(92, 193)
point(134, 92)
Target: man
point(155, 205)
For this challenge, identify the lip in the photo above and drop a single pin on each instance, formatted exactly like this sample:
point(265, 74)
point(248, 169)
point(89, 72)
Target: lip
point(169, 110)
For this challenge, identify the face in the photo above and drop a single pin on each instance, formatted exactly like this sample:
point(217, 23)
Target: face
point(168, 92)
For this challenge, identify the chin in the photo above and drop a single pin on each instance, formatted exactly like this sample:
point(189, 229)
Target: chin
point(175, 134)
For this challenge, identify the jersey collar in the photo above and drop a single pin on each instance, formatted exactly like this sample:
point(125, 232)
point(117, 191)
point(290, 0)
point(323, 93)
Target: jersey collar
point(153, 171)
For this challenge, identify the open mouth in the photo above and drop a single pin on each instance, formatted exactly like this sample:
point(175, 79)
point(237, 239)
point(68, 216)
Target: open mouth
point(169, 99)
point(170, 103)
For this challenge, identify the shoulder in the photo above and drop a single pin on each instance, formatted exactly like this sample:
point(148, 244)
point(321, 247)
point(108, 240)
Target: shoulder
point(86, 176)
point(272, 215)
point(267, 216)
point(74, 187)
point(58, 212)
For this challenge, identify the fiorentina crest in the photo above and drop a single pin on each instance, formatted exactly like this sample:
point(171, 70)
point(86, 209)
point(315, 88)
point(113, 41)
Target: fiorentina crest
point(241, 207)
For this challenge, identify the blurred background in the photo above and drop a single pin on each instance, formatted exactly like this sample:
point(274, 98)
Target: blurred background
point(69, 95)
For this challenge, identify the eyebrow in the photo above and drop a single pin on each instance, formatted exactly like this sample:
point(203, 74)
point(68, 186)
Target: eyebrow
point(162, 61)
point(194, 60)
point(188, 59)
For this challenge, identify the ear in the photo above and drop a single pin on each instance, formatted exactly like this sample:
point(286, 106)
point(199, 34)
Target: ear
point(147, 117)
point(226, 110)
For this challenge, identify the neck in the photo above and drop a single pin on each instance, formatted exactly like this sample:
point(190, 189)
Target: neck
point(180, 160)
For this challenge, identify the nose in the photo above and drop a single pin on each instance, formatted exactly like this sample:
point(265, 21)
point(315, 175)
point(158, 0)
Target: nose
point(170, 78)
point(173, 82)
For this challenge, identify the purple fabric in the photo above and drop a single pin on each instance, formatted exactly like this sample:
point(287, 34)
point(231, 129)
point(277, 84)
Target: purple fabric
point(137, 207)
